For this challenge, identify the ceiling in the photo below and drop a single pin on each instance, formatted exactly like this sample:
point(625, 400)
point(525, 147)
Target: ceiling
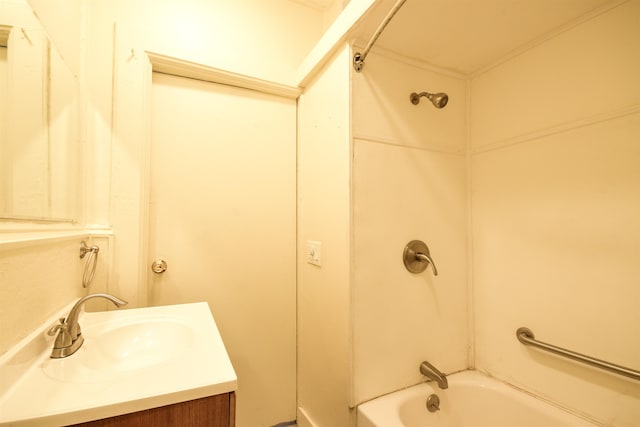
point(467, 35)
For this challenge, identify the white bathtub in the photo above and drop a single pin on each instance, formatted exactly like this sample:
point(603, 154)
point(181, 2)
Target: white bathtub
point(472, 400)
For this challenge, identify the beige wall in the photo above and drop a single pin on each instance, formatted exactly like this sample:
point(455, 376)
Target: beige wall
point(259, 325)
point(37, 278)
point(264, 40)
point(324, 154)
point(555, 136)
point(248, 37)
point(261, 39)
point(409, 183)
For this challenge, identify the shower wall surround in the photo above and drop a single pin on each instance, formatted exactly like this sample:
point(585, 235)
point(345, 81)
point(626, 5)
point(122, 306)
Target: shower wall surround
point(409, 182)
point(555, 135)
point(537, 161)
point(375, 172)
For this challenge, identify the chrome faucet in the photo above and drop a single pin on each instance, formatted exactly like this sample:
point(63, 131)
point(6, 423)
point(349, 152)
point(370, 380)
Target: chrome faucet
point(69, 338)
point(430, 371)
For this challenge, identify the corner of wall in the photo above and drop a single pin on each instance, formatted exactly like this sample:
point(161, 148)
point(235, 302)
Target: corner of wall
point(471, 324)
point(324, 215)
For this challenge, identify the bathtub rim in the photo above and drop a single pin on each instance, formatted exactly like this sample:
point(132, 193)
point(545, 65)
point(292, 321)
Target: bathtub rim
point(484, 379)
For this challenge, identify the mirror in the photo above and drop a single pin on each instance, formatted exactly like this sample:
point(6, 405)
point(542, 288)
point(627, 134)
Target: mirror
point(39, 138)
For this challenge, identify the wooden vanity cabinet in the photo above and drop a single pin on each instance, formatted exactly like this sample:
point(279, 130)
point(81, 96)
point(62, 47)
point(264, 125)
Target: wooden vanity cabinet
point(213, 411)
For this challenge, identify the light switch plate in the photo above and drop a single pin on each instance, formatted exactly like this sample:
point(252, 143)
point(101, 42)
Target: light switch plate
point(314, 252)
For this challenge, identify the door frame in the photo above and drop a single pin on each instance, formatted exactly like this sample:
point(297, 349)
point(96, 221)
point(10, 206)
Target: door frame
point(136, 57)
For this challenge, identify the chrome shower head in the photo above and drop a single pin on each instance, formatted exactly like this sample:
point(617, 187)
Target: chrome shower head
point(439, 100)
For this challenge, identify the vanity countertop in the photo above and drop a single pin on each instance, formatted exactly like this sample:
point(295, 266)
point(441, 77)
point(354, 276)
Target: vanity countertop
point(138, 372)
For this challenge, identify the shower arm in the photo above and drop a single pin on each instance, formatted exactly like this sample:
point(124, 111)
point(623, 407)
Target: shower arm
point(358, 58)
point(415, 97)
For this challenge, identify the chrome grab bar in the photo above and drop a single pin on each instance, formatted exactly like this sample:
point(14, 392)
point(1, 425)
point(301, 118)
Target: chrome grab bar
point(526, 337)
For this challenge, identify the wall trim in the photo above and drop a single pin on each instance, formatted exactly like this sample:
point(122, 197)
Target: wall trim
point(414, 62)
point(20, 240)
point(182, 68)
point(557, 129)
point(385, 141)
point(130, 142)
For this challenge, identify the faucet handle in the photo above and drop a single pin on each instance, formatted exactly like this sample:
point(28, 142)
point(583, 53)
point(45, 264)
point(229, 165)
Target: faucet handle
point(427, 258)
point(59, 327)
point(64, 338)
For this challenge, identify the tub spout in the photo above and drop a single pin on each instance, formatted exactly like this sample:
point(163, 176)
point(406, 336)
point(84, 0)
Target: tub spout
point(430, 371)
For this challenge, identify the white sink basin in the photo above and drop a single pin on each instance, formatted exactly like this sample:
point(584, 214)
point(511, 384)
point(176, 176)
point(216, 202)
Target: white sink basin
point(131, 360)
point(149, 341)
point(123, 345)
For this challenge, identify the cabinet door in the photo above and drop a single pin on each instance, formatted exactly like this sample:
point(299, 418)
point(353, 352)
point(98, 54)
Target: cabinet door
point(214, 411)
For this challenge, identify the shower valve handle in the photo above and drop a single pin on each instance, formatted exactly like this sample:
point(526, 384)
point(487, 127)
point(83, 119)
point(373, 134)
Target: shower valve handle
point(416, 257)
point(426, 258)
